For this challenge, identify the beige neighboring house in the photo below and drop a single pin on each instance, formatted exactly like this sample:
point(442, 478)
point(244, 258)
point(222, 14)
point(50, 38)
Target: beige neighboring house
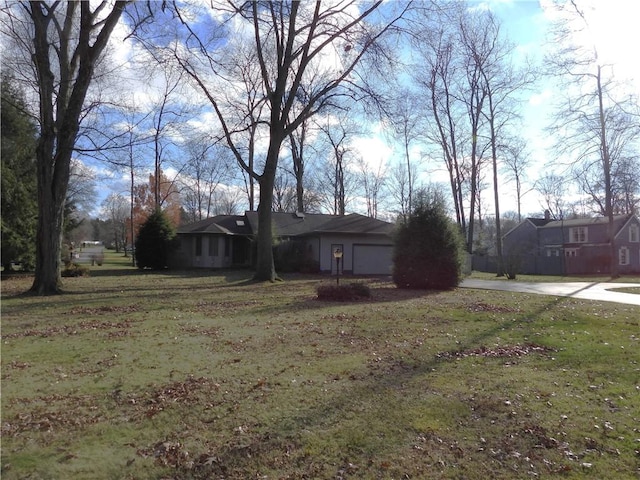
point(226, 241)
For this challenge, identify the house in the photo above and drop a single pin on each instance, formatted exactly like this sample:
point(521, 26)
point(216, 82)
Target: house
point(226, 241)
point(577, 246)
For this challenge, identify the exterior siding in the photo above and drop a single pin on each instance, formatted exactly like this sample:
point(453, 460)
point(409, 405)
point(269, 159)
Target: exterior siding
point(347, 242)
point(521, 240)
point(316, 234)
point(632, 243)
point(558, 247)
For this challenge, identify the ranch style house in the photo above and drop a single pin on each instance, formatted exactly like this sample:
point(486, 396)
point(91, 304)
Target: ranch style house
point(226, 241)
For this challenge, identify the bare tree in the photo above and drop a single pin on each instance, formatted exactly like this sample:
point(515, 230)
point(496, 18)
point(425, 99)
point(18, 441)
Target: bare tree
point(516, 160)
point(207, 166)
point(284, 192)
point(337, 178)
point(291, 40)
point(227, 201)
point(116, 208)
point(168, 115)
point(372, 181)
point(476, 46)
point(297, 142)
point(597, 123)
point(502, 82)
point(437, 72)
point(408, 127)
point(398, 187)
point(66, 42)
point(552, 188)
point(81, 192)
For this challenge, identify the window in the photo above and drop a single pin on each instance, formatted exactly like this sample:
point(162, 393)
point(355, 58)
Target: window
point(198, 246)
point(634, 233)
point(623, 256)
point(213, 246)
point(570, 252)
point(553, 252)
point(578, 235)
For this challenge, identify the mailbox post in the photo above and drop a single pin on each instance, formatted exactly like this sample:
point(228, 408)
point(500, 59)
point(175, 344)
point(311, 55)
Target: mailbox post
point(337, 254)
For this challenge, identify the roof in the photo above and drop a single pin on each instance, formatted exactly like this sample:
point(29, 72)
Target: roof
point(539, 222)
point(290, 224)
point(586, 222)
point(618, 221)
point(220, 224)
point(298, 224)
point(356, 223)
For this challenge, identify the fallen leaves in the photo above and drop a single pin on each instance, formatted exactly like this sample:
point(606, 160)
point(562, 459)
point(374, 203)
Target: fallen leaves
point(517, 350)
point(487, 307)
point(121, 329)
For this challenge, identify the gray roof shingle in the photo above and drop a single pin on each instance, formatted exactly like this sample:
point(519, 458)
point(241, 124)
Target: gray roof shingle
point(290, 224)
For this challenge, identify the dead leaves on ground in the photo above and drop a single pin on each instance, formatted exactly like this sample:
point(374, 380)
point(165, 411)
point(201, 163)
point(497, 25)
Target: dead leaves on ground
point(119, 329)
point(517, 350)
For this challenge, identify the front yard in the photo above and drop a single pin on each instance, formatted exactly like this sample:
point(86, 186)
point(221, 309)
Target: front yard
point(198, 375)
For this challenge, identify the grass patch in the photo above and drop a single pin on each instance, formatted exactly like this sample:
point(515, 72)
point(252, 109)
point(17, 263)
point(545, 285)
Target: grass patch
point(198, 375)
point(557, 278)
point(634, 290)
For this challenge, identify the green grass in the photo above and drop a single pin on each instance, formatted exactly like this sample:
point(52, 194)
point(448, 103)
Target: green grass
point(558, 278)
point(198, 375)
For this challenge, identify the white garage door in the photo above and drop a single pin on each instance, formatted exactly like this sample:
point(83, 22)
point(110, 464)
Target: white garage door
point(372, 259)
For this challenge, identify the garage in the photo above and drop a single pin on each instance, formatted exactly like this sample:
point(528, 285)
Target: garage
point(372, 259)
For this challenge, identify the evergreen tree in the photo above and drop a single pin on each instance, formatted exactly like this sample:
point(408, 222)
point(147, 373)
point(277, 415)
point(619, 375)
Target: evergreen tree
point(428, 249)
point(19, 185)
point(155, 241)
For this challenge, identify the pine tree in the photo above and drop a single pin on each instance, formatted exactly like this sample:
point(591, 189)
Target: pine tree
point(155, 241)
point(428, 249)
point(19, 189)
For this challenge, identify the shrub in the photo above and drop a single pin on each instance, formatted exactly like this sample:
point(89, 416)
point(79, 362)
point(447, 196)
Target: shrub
point(75, 270)
point(428, 251)
point(155, 242)
point(292, 257)
point(352, 291)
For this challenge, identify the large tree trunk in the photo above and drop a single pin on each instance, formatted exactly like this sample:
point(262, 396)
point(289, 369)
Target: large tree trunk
point(49, 239)
point(265, 267)
point(71, 55)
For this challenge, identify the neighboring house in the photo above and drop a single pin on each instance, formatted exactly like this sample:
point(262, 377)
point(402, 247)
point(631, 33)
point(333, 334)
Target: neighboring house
point(88, 252)
point(577, 246)
point(226, 241)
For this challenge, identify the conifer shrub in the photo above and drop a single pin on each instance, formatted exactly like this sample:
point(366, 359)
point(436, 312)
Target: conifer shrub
point(155, 242)
point(428, 249)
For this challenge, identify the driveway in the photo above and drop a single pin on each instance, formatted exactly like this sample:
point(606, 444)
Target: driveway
point(584, 290)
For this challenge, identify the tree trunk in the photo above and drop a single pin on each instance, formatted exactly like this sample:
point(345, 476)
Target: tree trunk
point(606, 167)
point(496, 199)
point(48, 280)
point(61, 100)
point(265, 267)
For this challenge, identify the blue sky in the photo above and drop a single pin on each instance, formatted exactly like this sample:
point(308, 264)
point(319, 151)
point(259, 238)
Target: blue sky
point(526, 23)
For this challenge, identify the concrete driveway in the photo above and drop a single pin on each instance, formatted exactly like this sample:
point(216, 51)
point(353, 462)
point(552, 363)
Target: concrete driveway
point(584, 290)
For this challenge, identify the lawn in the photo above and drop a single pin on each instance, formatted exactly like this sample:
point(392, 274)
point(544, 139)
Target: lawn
point(207, 375)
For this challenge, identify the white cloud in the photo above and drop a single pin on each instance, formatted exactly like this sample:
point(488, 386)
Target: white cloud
point(541, 98)
point(609, 28)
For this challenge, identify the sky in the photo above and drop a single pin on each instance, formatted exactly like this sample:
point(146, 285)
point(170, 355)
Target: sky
point(612, 28)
